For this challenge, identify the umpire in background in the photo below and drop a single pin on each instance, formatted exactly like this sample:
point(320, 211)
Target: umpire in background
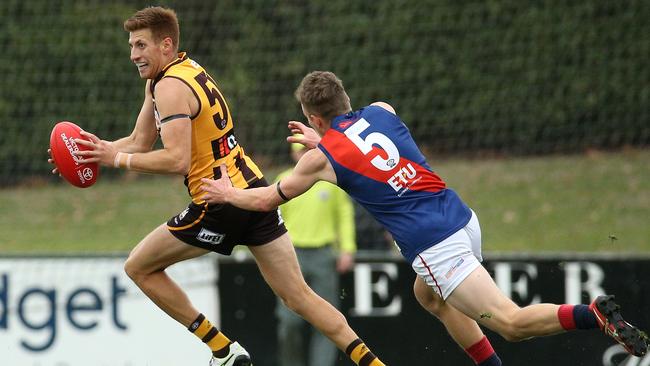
point(324, 250)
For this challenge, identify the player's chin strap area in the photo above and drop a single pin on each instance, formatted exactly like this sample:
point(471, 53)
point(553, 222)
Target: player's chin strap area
point(282, 195)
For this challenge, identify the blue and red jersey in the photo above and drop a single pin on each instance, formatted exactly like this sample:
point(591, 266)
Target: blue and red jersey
point(379, 165)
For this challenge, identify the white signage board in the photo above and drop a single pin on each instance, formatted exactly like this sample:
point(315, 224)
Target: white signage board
point(86, 311)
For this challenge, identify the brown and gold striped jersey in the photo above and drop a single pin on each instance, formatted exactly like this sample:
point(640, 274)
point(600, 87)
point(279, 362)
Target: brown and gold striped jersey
point(213, 137)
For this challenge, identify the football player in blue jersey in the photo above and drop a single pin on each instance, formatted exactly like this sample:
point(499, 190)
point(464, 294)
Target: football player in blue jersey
point(371, 155)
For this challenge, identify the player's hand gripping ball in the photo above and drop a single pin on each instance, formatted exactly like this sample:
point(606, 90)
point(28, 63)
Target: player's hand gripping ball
point(62, 146)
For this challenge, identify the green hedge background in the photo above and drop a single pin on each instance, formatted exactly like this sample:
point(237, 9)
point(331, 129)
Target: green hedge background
point(468, 77)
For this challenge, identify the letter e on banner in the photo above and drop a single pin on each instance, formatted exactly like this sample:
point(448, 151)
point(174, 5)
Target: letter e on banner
point(365, 288)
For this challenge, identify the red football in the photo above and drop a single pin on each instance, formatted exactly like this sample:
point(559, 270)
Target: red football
point(62, 145)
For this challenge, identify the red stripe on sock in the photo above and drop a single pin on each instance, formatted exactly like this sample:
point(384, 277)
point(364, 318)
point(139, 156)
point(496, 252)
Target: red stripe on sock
point(565, 316)
point(480, 351)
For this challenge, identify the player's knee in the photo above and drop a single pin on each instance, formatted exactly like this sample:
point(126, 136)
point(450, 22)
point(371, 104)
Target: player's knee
point(513, 335)
point(133, 269)
point(130, 268)
point(295, 299)
point(432, 306)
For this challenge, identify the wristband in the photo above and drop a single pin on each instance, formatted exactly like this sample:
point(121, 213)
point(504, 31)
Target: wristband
point(122, 160)
point(116, 162)
point(128, 161)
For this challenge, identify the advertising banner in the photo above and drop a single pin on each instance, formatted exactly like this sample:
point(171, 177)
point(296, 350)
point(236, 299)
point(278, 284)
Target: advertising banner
point(379, 304)
point(87, 312)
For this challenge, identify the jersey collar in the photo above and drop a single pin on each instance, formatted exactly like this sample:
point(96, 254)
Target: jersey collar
point(182, 56)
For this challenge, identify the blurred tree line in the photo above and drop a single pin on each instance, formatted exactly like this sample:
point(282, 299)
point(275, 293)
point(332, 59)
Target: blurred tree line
point(468, 77)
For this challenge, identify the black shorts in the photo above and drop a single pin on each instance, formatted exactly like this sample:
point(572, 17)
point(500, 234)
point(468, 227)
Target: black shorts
point(219, 228)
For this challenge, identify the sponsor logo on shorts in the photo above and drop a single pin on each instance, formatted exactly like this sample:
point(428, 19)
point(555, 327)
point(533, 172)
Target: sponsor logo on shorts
point(453, 269)
point(210, 237)
point(182, 214)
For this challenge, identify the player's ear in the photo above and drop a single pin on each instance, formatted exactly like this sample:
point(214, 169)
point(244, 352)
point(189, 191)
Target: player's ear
point(168, 44)
point(318, 121)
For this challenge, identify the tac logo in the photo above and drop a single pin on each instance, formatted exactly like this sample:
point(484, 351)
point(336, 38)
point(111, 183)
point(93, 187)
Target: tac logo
point(88, 173)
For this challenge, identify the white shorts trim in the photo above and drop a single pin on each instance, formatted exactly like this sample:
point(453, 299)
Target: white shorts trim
point(445, 265)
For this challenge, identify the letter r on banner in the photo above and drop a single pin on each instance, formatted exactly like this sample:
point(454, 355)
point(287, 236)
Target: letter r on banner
point(574, 287)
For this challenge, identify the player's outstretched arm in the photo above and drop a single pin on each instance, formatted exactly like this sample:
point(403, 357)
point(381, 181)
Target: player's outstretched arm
point(221, 191)
point(312, 167)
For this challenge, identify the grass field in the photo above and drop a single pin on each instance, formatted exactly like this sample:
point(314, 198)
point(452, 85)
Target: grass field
point(592, 202)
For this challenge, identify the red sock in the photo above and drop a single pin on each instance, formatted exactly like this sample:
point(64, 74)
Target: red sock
point(480, 351)
point(576, 317)
point(565, 316)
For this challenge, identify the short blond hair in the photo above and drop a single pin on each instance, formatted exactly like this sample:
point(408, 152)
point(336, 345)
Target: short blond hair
point(322, 93)
point(162, 22)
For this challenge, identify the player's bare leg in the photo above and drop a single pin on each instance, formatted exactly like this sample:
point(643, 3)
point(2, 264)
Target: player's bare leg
point(146, 266)
point(278, 264)
point(480, 298)
point(462, 329)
